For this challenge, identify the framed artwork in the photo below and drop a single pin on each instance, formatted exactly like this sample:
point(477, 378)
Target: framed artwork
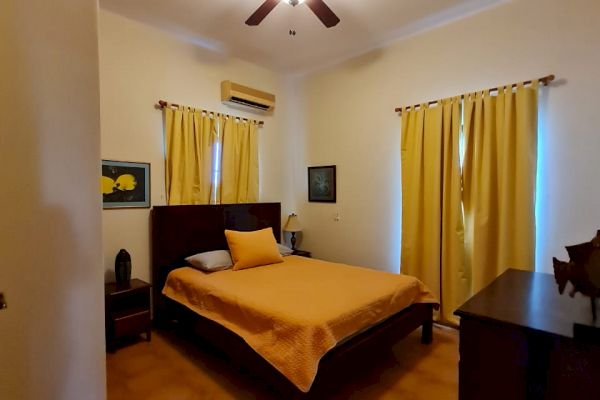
point(321, 184)
point(125, 184)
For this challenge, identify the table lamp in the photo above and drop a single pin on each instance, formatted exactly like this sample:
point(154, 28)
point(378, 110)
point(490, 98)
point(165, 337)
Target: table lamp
point(293, 225)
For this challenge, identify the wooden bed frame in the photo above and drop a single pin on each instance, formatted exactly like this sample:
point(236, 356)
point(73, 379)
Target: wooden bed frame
point(180, 231)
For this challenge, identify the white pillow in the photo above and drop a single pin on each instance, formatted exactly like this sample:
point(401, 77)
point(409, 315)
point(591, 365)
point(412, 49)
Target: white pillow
point(211, 261)
point(284, 250)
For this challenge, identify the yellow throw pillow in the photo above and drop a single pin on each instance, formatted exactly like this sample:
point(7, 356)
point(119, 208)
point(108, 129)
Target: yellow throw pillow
point(253, 249)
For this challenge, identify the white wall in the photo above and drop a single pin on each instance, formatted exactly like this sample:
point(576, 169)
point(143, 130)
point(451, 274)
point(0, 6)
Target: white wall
point(350, 121)
point(52, 333)
point(140, 65)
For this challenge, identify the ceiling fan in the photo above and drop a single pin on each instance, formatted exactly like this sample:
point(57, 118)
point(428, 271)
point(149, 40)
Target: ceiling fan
point(321, 10)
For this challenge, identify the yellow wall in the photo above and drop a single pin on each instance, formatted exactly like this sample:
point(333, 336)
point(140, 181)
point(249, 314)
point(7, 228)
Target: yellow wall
point(52, 333)
point(349, 120)
point(140, 65)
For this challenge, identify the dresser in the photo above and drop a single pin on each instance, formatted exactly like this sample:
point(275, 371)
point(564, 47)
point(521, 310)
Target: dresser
point(516, 342)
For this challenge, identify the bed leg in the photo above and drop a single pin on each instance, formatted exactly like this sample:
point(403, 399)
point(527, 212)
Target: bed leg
point(427, 332)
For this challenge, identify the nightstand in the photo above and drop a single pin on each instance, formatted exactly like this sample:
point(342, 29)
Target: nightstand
point(127, 310)
point(301, 253)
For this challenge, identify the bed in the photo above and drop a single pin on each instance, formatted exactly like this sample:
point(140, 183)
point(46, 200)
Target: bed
point(180, 231)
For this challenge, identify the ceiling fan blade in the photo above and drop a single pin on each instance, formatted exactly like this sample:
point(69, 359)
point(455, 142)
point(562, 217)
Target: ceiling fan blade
point(262, 11)
point(323, 12)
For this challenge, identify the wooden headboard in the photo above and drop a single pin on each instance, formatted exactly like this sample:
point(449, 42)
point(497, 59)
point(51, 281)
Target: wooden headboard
point(181, 231)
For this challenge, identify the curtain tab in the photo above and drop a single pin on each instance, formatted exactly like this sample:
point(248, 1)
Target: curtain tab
point(535, 84)
point(214, 137)
point(449, 100)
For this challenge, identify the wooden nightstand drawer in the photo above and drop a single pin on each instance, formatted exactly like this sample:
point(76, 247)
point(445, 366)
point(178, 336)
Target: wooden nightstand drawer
point(132, 323)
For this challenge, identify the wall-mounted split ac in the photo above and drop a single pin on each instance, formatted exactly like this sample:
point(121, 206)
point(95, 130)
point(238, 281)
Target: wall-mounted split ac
point(234, 93)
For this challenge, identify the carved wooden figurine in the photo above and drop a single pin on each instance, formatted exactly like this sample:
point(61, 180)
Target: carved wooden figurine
point(582, 270)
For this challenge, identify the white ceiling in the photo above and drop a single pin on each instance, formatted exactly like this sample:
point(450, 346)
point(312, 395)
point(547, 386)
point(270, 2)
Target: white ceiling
point(365, 24)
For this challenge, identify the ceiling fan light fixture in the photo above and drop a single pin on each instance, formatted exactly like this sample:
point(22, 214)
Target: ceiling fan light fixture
point(294, 2)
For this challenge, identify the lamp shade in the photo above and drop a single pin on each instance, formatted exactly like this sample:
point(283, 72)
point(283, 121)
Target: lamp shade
point(292, 224)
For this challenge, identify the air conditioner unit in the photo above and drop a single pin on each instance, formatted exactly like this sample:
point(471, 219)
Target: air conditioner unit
point(234, 93)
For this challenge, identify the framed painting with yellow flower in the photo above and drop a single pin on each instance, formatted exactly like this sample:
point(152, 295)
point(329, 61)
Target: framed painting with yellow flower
point(125, 184)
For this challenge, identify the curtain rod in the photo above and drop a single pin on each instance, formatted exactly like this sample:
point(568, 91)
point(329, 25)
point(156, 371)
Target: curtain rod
point(164, 104)
point(544, 81)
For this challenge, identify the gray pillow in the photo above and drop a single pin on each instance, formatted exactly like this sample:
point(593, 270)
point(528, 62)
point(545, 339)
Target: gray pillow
point(284, 250)
point(211, 261)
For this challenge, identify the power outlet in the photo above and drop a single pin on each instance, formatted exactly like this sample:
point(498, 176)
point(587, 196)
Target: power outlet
point(336, 217)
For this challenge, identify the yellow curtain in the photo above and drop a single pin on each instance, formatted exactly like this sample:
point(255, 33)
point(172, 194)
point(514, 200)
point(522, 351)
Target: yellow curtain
point(456, 277)
point(239, 166)
point(499, 174)
point(189, 136)
point(432, 230)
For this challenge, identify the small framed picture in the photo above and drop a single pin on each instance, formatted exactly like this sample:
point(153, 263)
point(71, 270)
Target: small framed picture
point(125, 184)
point(321, 184)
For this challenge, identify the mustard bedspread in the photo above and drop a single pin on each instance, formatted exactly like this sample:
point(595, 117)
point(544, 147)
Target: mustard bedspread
point(293, 312)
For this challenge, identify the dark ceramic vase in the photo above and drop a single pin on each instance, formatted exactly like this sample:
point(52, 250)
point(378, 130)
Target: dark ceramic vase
point(123, 266)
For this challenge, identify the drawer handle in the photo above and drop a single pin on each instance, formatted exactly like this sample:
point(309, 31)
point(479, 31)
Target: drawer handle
point(3, 304)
